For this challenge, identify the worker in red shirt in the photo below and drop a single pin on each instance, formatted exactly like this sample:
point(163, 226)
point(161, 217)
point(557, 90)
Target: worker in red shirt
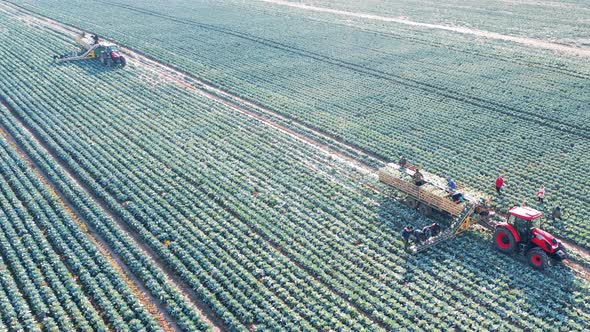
point(499, 184)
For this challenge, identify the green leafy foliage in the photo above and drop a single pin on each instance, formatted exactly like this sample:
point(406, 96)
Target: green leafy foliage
point(269, 232)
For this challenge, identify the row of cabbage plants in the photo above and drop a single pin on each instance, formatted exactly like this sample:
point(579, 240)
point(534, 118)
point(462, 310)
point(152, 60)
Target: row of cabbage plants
point(266, 307)
point(154, 279)
point(234, 207)
point(467, 110)
point(68, 283)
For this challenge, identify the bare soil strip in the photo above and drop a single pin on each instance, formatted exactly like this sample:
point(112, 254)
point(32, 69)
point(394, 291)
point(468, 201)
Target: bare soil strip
point(149, 302)
point(157, 309)
point(235, 103)
point(261, 114)
point(531, 42)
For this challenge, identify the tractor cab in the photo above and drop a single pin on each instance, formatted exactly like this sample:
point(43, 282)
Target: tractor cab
point(522, 232)
point(112, 48)
point(524, 220)
point(109, 54)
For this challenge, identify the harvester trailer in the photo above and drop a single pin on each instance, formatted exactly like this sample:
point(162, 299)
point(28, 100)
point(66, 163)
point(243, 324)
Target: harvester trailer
point(516, 232)
point(91, 47)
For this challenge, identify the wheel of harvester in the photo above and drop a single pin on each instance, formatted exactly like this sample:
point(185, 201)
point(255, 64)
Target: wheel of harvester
point(504, 241)
point(411, 203)
point(425, 210)
point(123, 61)
point(538, 258)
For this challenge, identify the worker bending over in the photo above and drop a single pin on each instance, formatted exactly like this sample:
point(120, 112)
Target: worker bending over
point(458, 197)
point(406, 233)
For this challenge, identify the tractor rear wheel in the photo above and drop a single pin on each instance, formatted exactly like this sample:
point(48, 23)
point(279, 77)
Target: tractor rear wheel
point(123, 61)
point(109, 62)
point(538, 258)
point(425, 210)
point(411, 203)
point(103, 60)
point(504, 241)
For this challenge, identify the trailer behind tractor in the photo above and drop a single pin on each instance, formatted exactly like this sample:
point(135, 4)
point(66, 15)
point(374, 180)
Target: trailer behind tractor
point(517, 232)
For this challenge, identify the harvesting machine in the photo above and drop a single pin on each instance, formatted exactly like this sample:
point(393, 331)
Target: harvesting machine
point(518, 231)
point(91, 47)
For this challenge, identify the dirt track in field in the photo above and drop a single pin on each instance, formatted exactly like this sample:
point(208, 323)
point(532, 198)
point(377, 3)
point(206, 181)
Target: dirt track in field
point(531, 42)
point(147, 300)
point(253, 110)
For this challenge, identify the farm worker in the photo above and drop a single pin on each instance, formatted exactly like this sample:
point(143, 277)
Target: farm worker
point(418, 178)
point(541, 194)
point(499, 184)
point(484, 213)
point(523, 204)
point(402, 162)
point(427, 232)
point(418, 236)
point(556, 214)
point(452, 185)
point(406, 233)
point(434, 229)
point(458, 197)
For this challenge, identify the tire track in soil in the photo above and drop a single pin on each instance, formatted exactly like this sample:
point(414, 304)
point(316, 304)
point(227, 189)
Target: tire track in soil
point(262, 114)
point(161, 70)
point(489, 105)
point(531, 42)
point(155, 308)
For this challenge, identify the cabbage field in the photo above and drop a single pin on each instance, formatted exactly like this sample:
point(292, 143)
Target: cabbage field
point(224, 180)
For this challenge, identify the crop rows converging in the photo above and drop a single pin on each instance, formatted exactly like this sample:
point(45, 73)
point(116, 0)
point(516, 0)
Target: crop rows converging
point(451, 103)
point(251, 218)
point(67, 283)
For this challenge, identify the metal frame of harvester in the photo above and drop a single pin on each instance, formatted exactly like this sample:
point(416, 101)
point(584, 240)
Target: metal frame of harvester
point(91, 47)
point(519, 231)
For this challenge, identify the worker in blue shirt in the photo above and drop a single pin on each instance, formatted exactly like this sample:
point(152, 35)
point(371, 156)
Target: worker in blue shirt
point(451, 184)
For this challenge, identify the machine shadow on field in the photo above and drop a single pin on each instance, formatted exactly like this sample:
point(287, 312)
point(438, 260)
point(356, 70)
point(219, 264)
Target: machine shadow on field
point(469, 268)
point(90, 67)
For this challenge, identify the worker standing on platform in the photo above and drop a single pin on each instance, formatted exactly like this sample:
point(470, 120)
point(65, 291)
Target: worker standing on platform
point(402, 162)
point(541, 194)
point(499, 184)
point(406, 233)
point(418, 178)
point(452, 185)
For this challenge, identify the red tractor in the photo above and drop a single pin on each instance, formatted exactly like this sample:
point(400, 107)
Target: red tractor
point(521, 233)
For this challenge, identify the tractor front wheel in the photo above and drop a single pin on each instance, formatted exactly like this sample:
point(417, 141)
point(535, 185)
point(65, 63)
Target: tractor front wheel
point(504, 241)
point(538, 258)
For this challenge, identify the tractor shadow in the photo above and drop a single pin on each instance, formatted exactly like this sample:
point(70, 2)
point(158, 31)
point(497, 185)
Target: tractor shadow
point(470, 269)
point(90, 67)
